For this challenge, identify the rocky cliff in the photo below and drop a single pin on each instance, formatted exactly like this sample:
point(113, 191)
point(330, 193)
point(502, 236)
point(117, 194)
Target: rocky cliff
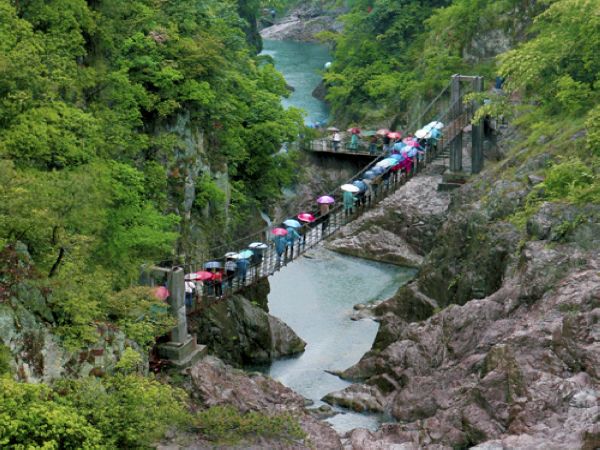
point(496, 342)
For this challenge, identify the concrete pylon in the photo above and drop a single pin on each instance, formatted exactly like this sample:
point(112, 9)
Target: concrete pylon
point(456, 144)
point(477, 132)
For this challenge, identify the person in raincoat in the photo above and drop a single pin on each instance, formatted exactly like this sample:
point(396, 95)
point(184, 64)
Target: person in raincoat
point(280, 245)
point(354, 142)
point(324, 211)
point(291, 237)
point(337, 140)
point(217, 279)
point(348, 203)
point(230, 267)
point(242, 269)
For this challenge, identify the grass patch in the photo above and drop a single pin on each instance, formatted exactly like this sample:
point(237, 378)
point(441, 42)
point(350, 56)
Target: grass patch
point(226, 425)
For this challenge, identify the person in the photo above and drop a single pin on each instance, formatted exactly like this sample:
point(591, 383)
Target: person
point(273, 14)
point(280, 245)
point(242, 270)
point(190, 289)
point(348, 203)
point(354, 142)
point(324, 209)
point(291, 237)
point(256, 260)
point(373, 145)
point(230, 267)
point(386, 143)
point(337, 140)
point(217, 279)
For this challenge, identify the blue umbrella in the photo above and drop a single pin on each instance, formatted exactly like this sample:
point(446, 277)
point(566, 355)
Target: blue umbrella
point(212, 265)
point(359, 184)
point(369, 174)
point(397, 157)
point(378, 170)
point(245, 254)
point(292, 223)
point(399, 146)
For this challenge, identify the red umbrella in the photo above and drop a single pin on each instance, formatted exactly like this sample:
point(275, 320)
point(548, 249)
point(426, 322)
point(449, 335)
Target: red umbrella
point(306, 217)
point(382, 132)
point(394, 135)
point(279, 231)
point(161, 293)
point(354, 130)
point(203, 275)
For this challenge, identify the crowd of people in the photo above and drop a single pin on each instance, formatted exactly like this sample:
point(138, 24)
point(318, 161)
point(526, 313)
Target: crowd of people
point(401, 157)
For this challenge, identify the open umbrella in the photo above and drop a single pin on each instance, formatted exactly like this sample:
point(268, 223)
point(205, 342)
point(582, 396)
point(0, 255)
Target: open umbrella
point(279, 231)
point(306, 217)
point(212, 265)
point(378, 170)
point(332, 129)
point(325, 200)
point(161, 293)
point(203, 275)
point(394, 135)
point(292, 223)
point(354, 130)
point(360, 185)
point(388, 162)
point(421, 134)
point(245, 254)
point(397, 157)
point(438, 125)
point(350, 188)
point(230, 255)
point(258, 246)
point(369, 174)
point(368, 133)
point(382, 132)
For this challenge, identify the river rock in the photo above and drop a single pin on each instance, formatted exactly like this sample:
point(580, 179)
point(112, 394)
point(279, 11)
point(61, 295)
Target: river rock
point(304, 23)
point(357, 397)
point(216, 383)
point(241, 332)
point(400, 229)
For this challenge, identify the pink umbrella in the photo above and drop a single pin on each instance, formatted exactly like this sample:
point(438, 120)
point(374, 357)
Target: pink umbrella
point(325, 200)
point(279, 231)
point(354, 130)
point(161, 293)
point(394, 135)
point(203, 275)
point(306, 217)
point(413, 143)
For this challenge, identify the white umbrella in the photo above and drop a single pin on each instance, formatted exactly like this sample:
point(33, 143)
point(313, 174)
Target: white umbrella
point(258, 245)
point(388, 162)
point(350, 188)
point(420, 134)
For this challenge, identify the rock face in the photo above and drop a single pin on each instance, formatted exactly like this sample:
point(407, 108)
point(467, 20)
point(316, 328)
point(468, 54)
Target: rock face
point(401, 229)
point(241, 332)
point(496, 343)
point(36, 354)
point(214, 383)
point(303, 23)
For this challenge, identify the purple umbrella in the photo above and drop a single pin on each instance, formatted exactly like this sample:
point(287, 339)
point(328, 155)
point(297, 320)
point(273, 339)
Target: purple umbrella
point(325, 200)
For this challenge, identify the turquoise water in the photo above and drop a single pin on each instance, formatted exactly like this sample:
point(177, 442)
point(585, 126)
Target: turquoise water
point(300, 63)
point(315, 296)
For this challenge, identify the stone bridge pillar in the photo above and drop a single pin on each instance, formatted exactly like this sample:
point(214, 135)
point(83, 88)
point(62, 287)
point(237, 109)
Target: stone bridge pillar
point(457, 109)
point(182, 349)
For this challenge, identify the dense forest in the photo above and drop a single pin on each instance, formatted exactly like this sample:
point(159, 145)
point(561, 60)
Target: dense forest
point(111, 111)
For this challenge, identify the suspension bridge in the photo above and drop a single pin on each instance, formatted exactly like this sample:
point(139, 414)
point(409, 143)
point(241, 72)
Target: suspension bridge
point(448, 107)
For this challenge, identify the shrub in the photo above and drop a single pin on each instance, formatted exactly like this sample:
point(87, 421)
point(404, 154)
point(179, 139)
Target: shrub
point(225, 424)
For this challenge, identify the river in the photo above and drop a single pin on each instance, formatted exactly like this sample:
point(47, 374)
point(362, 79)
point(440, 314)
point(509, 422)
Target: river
point(300, 63)
point(315, 295)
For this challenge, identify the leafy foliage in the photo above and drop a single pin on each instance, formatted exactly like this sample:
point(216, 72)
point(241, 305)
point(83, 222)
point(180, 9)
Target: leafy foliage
point(125, 411)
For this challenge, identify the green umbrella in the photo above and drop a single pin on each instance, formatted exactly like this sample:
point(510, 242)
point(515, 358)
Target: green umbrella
point(369, 133)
